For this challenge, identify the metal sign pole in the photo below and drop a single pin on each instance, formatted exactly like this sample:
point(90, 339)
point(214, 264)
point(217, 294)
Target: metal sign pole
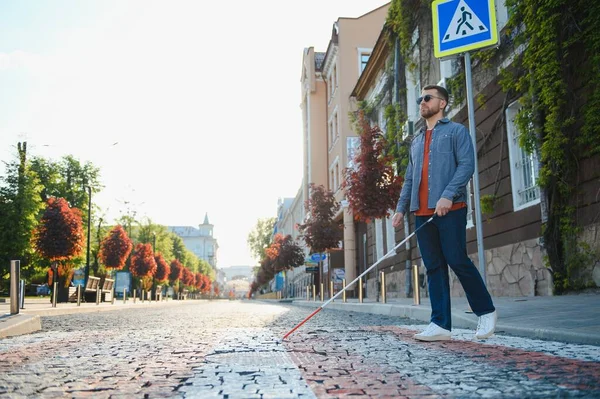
point(473, 132)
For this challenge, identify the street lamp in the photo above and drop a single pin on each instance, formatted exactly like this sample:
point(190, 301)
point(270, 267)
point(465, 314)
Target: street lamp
point(89, 221)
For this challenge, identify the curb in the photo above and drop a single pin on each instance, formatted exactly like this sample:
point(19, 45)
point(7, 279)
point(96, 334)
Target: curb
point(19, 324)
point(423, 313)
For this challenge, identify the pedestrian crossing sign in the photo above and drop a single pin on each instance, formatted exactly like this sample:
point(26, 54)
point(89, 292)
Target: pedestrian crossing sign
point(463, 25)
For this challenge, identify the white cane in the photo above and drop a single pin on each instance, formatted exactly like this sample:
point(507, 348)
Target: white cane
point(392, 251)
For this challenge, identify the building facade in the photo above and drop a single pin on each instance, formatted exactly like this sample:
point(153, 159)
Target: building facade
point(200, 241)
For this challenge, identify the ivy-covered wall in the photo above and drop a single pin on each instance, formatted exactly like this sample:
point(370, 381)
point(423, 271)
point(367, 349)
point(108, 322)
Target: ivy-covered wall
point(555, 71)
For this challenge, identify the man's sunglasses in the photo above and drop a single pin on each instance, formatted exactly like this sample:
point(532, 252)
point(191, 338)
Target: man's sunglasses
point(427, 98)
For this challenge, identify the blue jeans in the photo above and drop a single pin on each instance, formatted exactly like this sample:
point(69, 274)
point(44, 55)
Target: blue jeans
point(443, 243)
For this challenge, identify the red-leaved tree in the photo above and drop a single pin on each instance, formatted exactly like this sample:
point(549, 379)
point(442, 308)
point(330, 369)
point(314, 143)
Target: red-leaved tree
point(176, 271)
point(291, 254)
point(115, 248)
point(142, 261)
point(372, 188)
point(162, 268)
point(60, 232)
point(59, 236)
point(188, 277)
point(320, 231)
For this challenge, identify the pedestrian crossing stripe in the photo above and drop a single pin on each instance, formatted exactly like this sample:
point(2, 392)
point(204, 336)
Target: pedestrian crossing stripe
point(464, 23)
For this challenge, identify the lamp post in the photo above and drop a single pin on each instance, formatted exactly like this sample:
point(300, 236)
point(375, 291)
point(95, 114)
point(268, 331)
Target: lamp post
point(154, 254)
point(89, 221)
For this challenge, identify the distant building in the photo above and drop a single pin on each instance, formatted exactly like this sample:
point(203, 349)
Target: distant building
point(237, 272)
point(199, 241)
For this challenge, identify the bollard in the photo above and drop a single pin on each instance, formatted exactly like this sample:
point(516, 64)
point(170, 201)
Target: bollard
point(78, 295)
point(314, 292)
point(98, 295)
point(331, 293)
point(112, 297)
point(124, 295)
point(15, 277)
point(416, 288)
point(344, 288)
point(54, 294)
point(383, 296)
point(307, 293)
point(321, 292)
point(22, 294)
point(360, 290)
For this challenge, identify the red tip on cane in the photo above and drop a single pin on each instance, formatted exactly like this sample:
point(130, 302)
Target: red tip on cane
point(303, 321)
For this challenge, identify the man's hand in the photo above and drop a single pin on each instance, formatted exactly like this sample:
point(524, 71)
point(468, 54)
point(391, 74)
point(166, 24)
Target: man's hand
point(443, 207)
point(397, 219)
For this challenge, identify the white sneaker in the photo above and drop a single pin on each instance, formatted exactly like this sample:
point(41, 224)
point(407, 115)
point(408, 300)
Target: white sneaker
point(433, 332)
point(486, 325)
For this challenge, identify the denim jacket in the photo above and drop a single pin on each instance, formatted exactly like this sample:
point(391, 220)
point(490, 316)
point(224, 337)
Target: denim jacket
point(451, 165)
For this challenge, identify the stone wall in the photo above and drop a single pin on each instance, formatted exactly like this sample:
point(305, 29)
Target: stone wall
point(515, 270)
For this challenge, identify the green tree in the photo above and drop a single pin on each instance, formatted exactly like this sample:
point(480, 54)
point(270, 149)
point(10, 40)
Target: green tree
point(178, 248)
point(260, 237)
point(20, 206)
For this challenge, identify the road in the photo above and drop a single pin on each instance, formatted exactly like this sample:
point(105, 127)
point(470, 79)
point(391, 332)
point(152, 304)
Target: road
point(233, 349)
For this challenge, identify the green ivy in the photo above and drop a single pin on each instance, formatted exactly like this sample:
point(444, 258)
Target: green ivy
point(562, 50)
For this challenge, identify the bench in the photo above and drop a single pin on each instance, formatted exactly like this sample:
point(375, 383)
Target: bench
point(107, 289)
point(158, 296)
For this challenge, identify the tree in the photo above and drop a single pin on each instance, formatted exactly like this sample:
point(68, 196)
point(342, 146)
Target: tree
point(115, 248)
point(260, 237)
point(142, 261)
point(59, 236)
point(60, 233)
point(320, 232)
point(291, 255)
point(178, 248)
point(176, 270)
point(188, 277)
point(372, 188)
point(20, 206)
point(162, 268)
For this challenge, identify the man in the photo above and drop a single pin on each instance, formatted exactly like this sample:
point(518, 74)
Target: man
point(441, 164)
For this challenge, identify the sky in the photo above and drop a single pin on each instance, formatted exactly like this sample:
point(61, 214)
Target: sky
point(187, 107)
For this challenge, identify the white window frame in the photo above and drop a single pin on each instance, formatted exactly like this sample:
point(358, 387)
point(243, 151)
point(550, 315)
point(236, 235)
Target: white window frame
point(391, 232)
point(378, 239)
point(333, 127)
point(518, 158)
point(501, 14)
point(333, 177)
point(363, 51)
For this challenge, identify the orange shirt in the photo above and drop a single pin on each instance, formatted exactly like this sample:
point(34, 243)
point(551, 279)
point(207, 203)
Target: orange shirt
point(424, 186)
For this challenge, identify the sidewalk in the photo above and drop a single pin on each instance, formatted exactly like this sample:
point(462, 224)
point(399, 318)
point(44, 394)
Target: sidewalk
point(28, 319)
point(567, 318)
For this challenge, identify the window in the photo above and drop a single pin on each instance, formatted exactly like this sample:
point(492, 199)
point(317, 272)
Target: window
point(378, 239)
point(334, 173)
point(333, 128)
point(363, 57)
point(391, 233)
point(337, 175)
point(523, 166)
point(332, 80)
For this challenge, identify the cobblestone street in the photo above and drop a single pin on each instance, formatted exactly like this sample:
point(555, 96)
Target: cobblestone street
point(225, 349)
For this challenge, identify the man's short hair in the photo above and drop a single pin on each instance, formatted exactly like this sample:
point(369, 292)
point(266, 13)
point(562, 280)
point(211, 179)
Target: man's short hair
point(441, 91)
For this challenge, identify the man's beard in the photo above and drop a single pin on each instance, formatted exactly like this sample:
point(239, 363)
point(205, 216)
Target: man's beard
point(428, 113)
